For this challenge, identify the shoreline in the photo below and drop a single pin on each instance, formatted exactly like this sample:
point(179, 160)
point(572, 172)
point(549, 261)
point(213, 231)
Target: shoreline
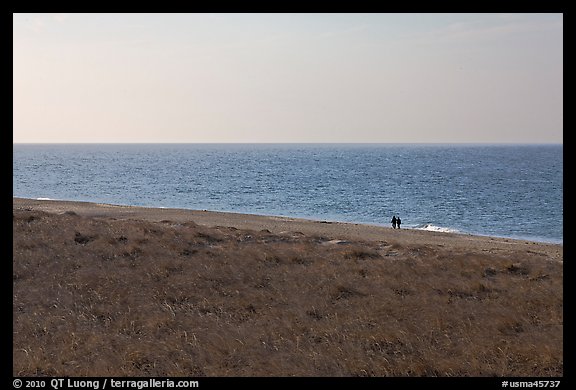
point(534, 239)
point(280, 225)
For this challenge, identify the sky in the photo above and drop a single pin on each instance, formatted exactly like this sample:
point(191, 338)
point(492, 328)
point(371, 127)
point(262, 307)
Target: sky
point(288, 78)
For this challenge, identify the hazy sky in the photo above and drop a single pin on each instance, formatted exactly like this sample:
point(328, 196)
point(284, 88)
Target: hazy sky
point(288, 78)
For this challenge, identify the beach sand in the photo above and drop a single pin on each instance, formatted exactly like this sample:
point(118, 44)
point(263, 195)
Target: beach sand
point(279, 225)
point(118, 290)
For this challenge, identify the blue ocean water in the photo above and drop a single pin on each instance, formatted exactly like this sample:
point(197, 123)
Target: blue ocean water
point(513, 191)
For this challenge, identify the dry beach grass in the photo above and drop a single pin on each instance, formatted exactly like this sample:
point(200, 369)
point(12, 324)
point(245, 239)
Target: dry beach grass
point(101, 290)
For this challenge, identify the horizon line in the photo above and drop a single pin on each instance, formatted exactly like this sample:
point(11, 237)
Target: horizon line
point(296, 143)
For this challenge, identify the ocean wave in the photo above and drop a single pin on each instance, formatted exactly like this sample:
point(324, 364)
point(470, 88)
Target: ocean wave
point(435, 228)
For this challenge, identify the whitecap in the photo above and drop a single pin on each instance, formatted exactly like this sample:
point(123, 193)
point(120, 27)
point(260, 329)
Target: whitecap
point(434, 228)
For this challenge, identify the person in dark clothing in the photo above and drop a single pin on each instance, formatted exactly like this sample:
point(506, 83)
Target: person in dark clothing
point(398, 221)
point(394, 220)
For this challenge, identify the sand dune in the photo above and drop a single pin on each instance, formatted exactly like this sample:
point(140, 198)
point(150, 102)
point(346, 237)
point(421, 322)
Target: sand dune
point(108, 290)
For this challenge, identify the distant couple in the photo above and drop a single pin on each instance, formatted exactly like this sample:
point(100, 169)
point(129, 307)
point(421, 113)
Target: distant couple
point(396, 221)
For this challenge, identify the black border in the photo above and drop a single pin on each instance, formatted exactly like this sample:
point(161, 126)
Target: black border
point(336, 7)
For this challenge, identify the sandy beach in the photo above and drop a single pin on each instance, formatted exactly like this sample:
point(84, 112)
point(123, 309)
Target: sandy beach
point(118, 290)
point(279, 225)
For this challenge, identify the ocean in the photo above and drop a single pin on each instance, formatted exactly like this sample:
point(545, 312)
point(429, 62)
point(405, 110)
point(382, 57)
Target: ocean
point(511, 191)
